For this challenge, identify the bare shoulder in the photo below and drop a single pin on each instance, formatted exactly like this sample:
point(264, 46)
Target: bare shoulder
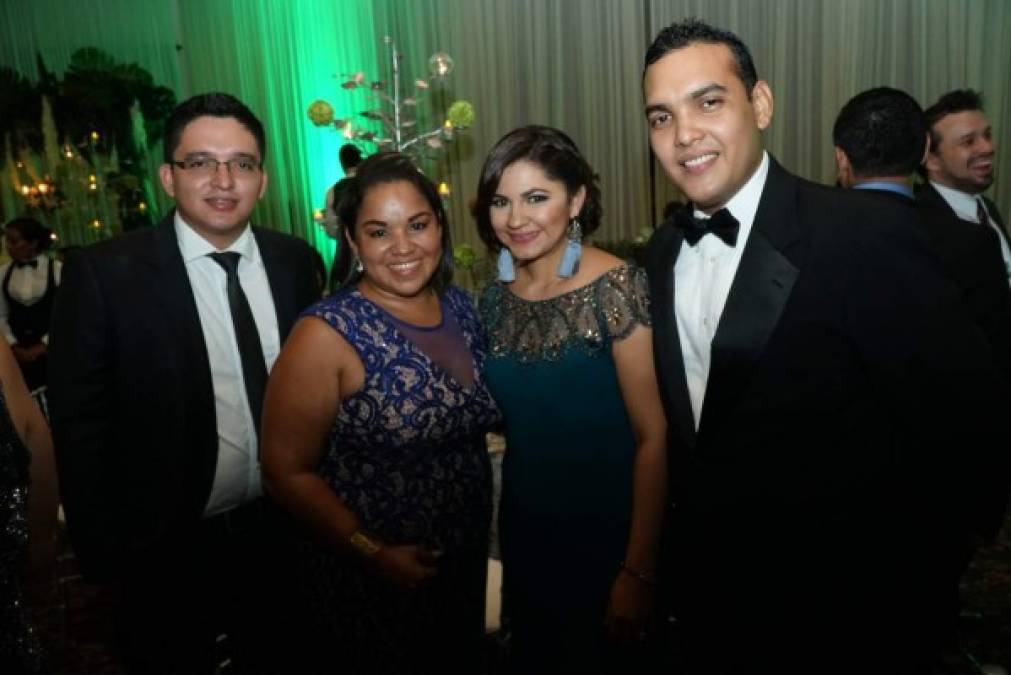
point(595, 262)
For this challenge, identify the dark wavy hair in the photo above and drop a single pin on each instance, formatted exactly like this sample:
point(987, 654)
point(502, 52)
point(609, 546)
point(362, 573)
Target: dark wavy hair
point(214, 104)
point(882, 131)
point(380, 169)
point(558, 157)
point(692, 31)
point(32, 231)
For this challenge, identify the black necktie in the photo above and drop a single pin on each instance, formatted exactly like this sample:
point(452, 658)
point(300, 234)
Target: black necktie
point(981, 214)
point(27, 263)
point(722, 224)
point(254, 369)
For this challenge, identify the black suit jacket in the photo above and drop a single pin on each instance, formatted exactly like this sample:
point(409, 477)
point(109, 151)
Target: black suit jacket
point(131, 396)
point(840, 430)
point(928, 196)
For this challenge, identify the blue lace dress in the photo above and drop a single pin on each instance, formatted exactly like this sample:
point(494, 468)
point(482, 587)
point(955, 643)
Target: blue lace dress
point(20, 651)
point(408, 457)
point(567, 471)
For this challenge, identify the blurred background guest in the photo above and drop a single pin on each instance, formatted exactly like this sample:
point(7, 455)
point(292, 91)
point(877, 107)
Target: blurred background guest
point(27, 519)
point(29, 283)
point(373, 437)
point(571, 365)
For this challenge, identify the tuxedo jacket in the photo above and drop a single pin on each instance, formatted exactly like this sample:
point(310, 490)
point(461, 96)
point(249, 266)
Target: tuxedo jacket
point(842, 426)
point(131, 394)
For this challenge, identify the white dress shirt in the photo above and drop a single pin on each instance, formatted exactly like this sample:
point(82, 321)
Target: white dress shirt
point(237, 473)
point(28, 286)
point(702, 277)
point(965, 207)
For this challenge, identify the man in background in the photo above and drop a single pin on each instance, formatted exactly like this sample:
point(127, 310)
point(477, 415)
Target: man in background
point(350, 157)
point(960, 164)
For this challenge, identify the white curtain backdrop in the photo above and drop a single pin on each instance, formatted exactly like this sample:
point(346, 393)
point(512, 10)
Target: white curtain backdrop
point(574, 64)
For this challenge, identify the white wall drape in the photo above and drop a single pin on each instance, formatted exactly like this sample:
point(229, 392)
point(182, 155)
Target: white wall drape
point(574, 64)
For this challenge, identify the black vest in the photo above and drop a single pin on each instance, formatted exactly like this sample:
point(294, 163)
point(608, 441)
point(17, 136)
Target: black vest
point(30, 322)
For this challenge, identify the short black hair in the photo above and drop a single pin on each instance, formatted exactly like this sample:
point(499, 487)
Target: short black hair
point(557, 155)
point(380, 169)
point(953, 102)
point(31, 231)
point(694, 30)
point(214, 104)
point(350, 156)
point(882, 131)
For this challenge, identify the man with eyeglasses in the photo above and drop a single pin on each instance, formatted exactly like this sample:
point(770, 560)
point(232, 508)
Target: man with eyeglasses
point(159, 356)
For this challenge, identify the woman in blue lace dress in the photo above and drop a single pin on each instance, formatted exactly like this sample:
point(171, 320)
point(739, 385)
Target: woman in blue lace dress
point(373, 437)
point(571, 367)
point(27, 517)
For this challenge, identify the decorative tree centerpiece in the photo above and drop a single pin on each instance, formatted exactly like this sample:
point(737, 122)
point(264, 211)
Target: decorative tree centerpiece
point(398, 109)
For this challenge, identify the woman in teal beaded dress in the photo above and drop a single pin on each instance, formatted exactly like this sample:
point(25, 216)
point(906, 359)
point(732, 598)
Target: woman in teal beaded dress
point(570, 364)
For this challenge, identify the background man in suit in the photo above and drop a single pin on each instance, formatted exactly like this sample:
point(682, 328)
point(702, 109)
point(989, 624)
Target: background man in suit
point(827, 398)
point(959, 166)
point(160, 349)
point(880, 141)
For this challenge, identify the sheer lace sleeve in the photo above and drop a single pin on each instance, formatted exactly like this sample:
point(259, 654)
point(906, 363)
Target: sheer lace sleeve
point(623, 299)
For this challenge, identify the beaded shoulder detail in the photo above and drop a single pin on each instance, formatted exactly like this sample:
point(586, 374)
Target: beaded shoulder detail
point(588, 319)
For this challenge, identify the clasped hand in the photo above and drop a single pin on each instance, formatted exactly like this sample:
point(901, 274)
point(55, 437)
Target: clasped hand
point(408, 566)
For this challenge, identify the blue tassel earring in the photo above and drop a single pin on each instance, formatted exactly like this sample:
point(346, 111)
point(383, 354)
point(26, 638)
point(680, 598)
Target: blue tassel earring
point(573, 251)
point(506, 271)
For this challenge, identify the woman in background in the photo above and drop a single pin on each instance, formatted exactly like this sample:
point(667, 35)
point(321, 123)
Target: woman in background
point(28, 500)
point(571, 367)
point(373, 437)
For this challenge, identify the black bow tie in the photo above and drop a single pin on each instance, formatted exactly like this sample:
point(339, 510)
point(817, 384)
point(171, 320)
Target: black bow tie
point(722, 224)
point(27, 263)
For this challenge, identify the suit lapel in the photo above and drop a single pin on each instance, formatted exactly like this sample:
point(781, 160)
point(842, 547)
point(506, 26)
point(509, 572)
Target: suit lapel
point(758, 294)
point(670, 360)
point(174, 296)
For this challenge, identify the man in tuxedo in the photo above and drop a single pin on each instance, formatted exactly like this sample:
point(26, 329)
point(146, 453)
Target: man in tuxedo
point(160, 348)
point(827, 397)
point(959, 166)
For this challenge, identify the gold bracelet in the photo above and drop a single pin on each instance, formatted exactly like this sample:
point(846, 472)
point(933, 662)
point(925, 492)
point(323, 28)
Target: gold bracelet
point(648, 578)
point(363, 544)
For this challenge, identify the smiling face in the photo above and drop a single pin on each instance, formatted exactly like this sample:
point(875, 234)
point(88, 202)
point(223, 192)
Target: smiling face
point(398, 239)
point(703, 127)
point(216, 205)
point(530, 212)
point(964, 157)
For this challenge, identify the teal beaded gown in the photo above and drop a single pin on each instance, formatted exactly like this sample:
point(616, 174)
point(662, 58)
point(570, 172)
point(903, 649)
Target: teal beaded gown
point(567, 470)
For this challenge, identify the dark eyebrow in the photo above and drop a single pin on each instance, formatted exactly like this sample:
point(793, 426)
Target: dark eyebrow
point(708, 89)
point(656, 107)
point(210, 155)
point(695, 95)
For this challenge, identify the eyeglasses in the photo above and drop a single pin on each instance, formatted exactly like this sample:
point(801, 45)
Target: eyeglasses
point(243, 167)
